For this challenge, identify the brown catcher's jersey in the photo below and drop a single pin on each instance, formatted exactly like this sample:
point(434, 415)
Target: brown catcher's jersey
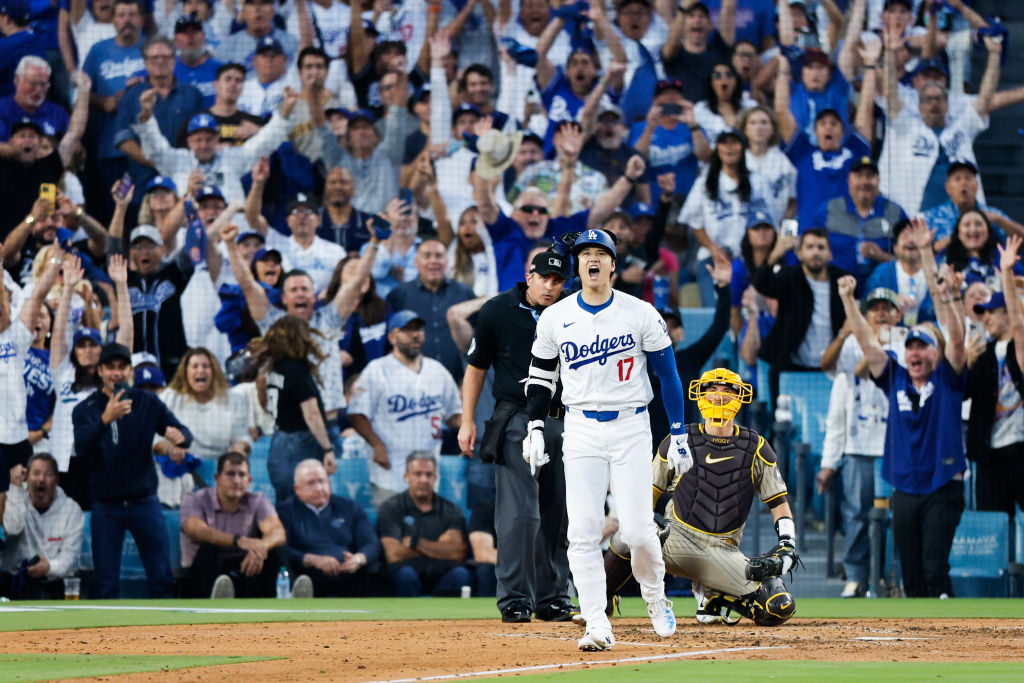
point(715, 495)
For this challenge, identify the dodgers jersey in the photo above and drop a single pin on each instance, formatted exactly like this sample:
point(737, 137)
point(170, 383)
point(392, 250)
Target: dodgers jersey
point(602, 350)
point(406, 409)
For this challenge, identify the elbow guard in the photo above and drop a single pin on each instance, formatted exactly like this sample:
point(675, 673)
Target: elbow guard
point(541, 383)
point(543, 375)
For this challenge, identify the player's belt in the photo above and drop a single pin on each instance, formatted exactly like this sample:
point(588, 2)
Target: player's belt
point(607, 415)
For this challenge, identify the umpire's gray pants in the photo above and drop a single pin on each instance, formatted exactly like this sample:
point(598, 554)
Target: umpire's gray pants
point(530, 520)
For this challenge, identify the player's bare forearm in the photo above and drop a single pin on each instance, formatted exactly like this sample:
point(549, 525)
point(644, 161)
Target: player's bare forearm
point(781, 511)
point(449, 549)
point(361, 424)
point(396, 551)
point(472, 388)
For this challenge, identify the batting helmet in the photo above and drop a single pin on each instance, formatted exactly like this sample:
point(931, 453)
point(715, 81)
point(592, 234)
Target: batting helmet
point(717, 414)
point(596, 237)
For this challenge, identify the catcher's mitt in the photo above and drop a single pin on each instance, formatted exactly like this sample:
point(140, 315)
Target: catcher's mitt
point(776, 562)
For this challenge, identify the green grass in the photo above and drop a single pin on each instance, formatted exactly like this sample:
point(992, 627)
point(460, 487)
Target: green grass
point(50, 667)
point(731, 671)
point(384, 609)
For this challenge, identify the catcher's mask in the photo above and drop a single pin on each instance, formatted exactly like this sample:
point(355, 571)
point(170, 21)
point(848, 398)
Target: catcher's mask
point(719, 394)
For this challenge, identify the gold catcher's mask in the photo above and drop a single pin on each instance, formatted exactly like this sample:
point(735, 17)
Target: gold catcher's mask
point(719, 394)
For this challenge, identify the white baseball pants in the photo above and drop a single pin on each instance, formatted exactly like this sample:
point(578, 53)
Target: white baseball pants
point(597, 455)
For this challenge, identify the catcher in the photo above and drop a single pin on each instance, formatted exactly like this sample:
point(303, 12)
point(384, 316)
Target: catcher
point(704, 497)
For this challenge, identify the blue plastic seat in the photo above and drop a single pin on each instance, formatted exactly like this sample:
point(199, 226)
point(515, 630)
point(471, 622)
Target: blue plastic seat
point(979, 559)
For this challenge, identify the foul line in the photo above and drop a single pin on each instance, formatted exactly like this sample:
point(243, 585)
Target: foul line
point(565, 665)
point(193, 610)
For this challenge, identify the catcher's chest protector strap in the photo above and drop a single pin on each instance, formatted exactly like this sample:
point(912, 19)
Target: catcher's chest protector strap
point(716, 494)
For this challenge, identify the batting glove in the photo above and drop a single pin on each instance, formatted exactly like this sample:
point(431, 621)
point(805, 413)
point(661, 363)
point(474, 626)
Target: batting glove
point(679, 455)
point(533, 446)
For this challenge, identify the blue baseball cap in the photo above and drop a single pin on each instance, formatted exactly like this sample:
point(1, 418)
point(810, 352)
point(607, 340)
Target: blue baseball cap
point(149, 376)
point(920, 334)
point(997, 300)
point(264, 253)
point(208, 191)
point(931, 64)
point(757, 218)
point(399, 320)
point(87, 333)
point(362, 114)
point(465, 108)
point(268, 43)
point(637, 209)
point(202, 122)
point(161, 181)
point(250, 233)
point(19, 10)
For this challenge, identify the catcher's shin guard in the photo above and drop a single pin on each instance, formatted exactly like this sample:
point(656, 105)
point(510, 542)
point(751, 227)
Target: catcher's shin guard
point(617, 571)
point(772, 603)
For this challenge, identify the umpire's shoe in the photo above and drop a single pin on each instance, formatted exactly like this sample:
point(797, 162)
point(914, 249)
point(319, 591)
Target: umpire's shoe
point(516, 612)
point(558, 610)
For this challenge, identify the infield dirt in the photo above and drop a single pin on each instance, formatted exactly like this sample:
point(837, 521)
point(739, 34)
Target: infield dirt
point(385, 651)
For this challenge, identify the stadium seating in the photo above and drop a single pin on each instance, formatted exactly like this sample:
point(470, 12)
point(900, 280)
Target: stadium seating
point(980, 555)
point(809, 392)
point(453, 480)
point(352, 480)
point(696, 322)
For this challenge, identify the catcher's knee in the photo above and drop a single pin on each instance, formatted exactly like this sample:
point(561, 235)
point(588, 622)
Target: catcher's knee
point(772, 603)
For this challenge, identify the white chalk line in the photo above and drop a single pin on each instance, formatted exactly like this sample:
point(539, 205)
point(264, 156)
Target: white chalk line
point(566, 665)
point(191, 610)
point(617, 642)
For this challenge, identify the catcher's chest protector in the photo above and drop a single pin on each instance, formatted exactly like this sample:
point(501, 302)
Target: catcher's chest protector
point(716, 493)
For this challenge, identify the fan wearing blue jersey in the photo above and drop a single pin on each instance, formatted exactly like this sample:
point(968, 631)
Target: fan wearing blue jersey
point(564, 90)
point(924, 449)
point(598, 343)
point(824, 163)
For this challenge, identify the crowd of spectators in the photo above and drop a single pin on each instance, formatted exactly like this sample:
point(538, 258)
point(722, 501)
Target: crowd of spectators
point(242, 220)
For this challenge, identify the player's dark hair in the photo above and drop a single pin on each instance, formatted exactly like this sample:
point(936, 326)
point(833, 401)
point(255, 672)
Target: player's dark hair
point(715, 169)
point(312, 51)
point(47, 458)
point(230, 66)
point(956, 253)
point(232, 458)
point(747, 250)
point(816, 232)
point(479, 70)
point(898, 229)
point(138, 4)
point(737, 91)
point(371, 308)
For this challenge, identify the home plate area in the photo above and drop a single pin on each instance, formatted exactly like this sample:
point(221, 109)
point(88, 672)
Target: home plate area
point(438, 650)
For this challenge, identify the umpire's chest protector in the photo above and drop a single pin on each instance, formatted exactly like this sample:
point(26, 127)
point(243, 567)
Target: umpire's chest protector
point(715, 495)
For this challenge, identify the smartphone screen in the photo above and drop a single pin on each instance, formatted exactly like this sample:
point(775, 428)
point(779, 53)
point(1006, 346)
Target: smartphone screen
point(789, 227)
point(125, 186)
point(671, 109)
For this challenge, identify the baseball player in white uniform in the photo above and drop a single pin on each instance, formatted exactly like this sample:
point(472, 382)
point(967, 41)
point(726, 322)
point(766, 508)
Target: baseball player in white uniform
point(401, 403)
point(599, 342)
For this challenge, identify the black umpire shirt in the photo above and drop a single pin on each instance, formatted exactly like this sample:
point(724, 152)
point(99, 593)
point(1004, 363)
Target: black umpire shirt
point(505, 329)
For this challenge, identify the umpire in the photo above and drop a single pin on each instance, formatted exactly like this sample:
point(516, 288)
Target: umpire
point(530, 517)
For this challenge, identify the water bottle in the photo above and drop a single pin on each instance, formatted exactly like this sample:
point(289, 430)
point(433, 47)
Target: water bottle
point(283, 584)
point(660, 289)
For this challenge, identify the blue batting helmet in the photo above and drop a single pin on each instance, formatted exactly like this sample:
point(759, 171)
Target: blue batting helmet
point(596, 237)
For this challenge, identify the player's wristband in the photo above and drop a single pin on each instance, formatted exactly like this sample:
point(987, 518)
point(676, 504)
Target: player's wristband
point(786, 530)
